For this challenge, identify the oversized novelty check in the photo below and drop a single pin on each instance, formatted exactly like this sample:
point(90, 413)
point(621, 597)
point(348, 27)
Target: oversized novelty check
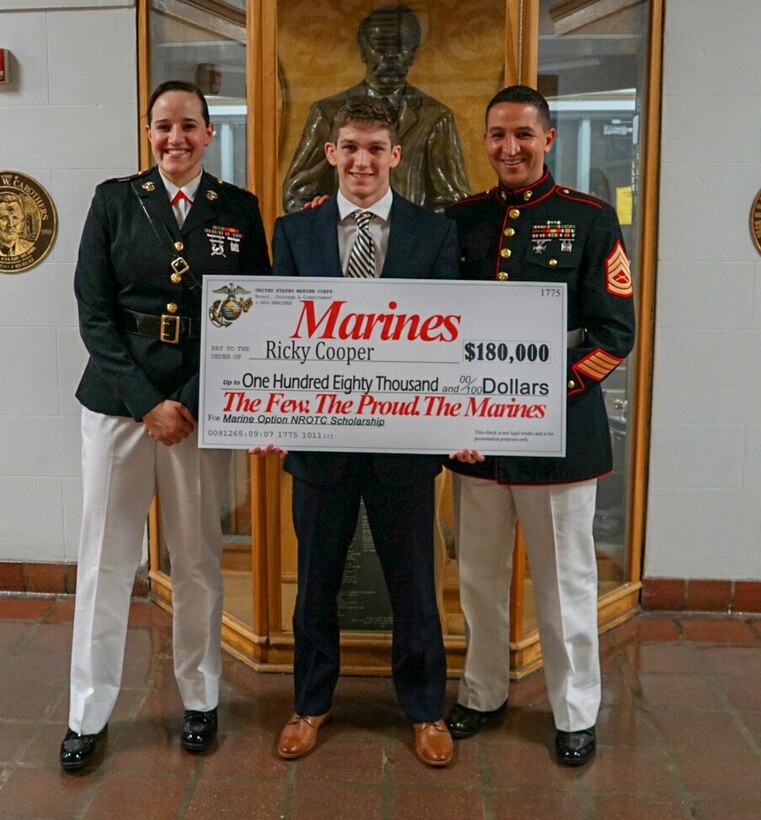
point(386, 365)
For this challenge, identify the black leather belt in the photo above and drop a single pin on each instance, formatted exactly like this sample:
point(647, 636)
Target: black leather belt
point(166, 328)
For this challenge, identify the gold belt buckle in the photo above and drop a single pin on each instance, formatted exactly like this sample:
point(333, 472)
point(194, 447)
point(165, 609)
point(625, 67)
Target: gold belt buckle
point(179, 266)
point(169, 333)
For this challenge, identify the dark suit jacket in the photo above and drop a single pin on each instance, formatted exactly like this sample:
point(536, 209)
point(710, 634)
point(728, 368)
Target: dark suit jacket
point(421, 245)
point(124, 265)
point(431, 172)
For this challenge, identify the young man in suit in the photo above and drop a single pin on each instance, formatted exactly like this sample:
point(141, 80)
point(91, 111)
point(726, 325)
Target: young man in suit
point(366, 230)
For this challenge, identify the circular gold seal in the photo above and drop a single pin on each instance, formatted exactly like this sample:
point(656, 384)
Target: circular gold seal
point(28, 222)
point(755, 221)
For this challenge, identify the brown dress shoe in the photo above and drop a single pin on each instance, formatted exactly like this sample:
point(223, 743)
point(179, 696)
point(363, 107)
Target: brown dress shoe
point(299, 735)
point(433, 743)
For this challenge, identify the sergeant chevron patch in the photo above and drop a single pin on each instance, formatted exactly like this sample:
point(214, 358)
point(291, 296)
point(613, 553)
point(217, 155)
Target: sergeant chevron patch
point(597, 364)
point(618, 276)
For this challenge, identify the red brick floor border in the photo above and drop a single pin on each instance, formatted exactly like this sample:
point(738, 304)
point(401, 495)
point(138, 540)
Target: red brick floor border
point(670, 681)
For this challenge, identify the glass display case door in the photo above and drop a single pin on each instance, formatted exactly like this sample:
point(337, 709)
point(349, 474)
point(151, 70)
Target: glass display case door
point(268, 70)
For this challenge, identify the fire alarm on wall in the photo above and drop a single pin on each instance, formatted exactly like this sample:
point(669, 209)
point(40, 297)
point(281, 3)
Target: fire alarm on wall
point(4, 60)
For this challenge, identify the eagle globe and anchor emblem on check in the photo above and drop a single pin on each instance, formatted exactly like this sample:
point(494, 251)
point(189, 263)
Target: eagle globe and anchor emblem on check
point(223, 312)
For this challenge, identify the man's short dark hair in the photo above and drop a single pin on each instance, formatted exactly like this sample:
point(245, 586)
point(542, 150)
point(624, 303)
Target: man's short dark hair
point(391, 19)
point(179, 85)
point(366, 110)
point(524, 95)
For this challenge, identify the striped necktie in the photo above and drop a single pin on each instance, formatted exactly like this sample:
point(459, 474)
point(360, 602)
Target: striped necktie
point(362, 256)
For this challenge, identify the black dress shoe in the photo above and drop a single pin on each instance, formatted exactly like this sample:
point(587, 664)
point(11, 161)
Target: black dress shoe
point(78, 750)
point(575, 748)
point(464, 721)
point(198, 730)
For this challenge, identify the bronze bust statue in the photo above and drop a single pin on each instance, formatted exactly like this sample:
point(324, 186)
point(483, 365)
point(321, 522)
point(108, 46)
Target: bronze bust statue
point(432, 169)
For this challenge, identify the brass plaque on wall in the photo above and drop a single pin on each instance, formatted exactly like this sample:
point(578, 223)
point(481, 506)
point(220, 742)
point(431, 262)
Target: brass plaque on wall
point(28, 222)
point(755, 221)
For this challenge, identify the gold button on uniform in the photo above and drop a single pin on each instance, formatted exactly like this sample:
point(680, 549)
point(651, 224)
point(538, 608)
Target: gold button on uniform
point(176, 278)
point(505, 253)
point(503, 276)
point(513, 213)
point(172, 307)
point(509, 232)
point(552, 262)
point(571, 384)
point(178, 246)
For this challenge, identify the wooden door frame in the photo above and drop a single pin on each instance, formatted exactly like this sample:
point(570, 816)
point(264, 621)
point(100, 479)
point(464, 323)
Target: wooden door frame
point(266, 644)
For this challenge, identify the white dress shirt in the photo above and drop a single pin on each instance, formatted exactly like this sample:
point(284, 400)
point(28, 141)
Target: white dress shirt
point(182, 206)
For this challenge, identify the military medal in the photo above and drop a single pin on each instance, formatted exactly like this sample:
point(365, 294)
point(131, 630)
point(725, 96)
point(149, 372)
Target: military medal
point(218, 235)
point(234, 236)
point(541, 235)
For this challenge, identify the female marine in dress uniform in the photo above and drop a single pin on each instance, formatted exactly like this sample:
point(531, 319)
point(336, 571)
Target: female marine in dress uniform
point(147, 243)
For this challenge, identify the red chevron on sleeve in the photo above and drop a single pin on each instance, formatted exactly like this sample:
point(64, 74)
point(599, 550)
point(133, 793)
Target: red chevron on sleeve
point(618, 275)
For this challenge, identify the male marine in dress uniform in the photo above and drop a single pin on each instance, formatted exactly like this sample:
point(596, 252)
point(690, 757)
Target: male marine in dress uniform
point(528, 228)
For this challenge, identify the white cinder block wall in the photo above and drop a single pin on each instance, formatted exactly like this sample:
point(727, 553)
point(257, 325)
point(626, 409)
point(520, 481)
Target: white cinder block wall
point(704, 509)
point(68, 118)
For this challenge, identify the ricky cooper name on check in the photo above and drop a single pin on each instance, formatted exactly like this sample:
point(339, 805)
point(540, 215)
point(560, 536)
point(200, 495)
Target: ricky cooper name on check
point(386, 365)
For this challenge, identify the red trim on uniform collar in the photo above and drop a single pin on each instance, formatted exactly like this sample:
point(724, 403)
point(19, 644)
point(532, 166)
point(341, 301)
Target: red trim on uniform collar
point(542, 188)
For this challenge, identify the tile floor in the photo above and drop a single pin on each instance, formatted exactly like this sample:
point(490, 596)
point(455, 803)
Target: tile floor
point(679, 736)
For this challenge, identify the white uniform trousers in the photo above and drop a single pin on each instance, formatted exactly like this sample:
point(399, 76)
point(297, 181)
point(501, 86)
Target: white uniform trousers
point(122, 466)
point(556, 521)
